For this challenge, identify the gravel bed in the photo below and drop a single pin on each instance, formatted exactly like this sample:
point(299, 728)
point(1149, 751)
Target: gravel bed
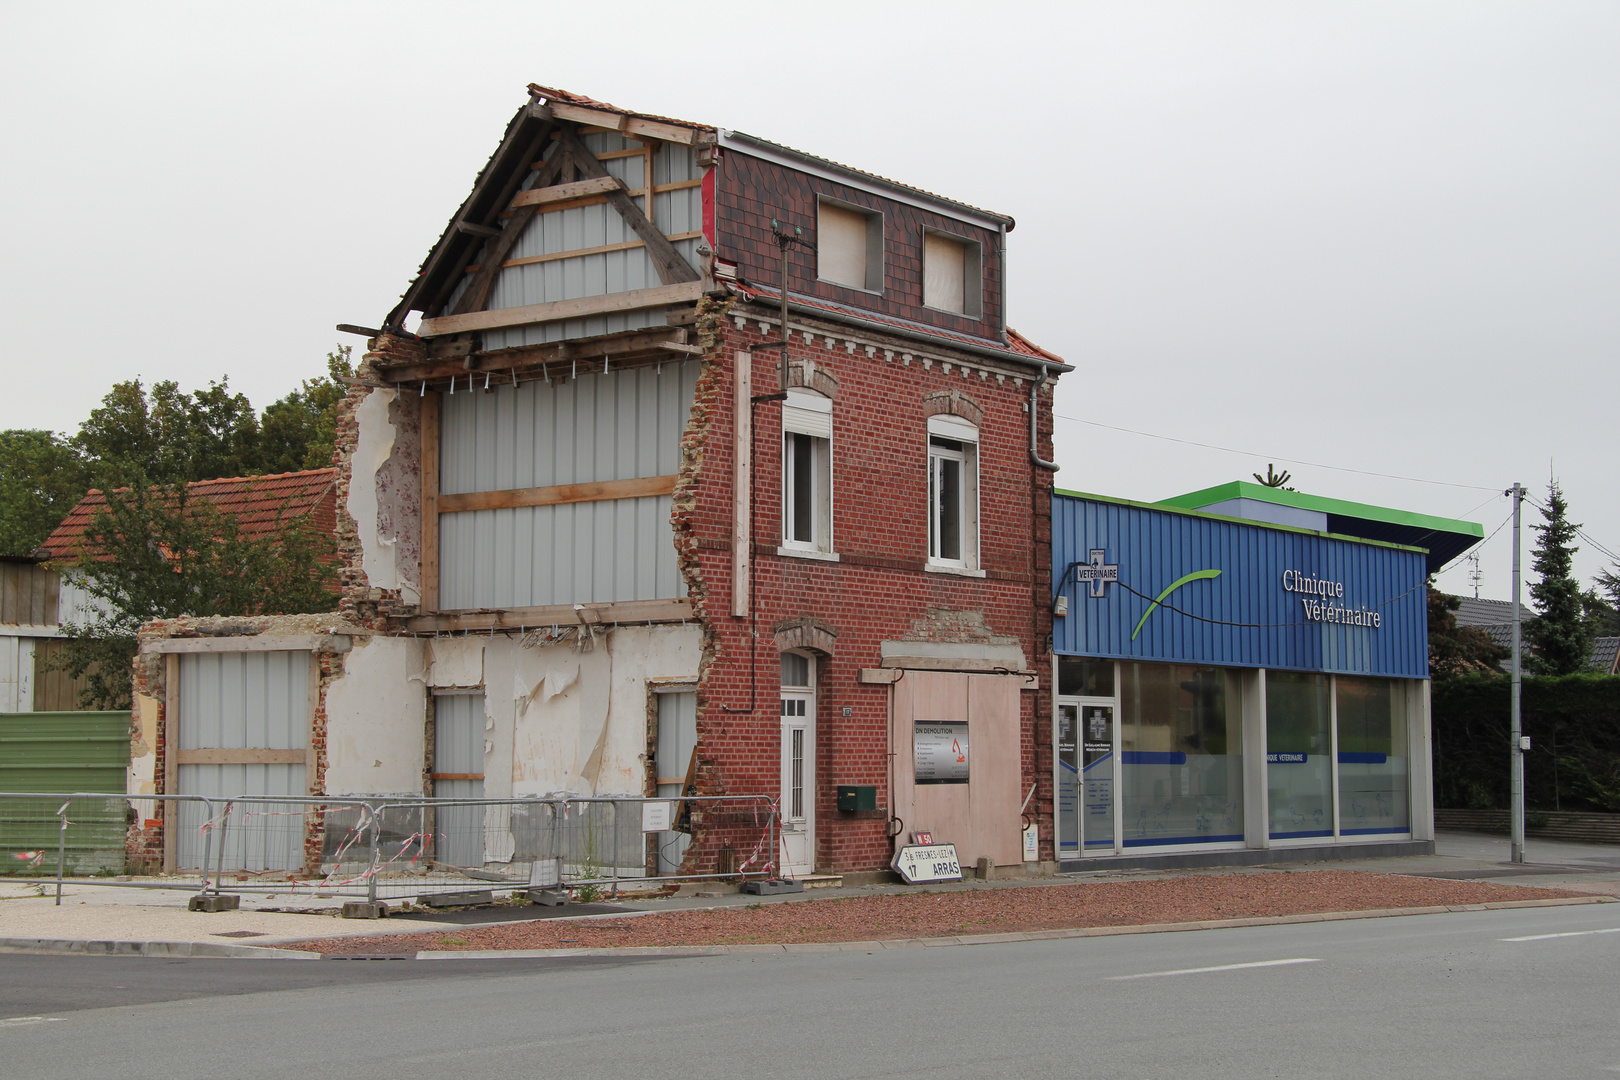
point(988, 911)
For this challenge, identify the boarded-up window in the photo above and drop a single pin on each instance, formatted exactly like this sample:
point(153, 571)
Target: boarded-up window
point(944, 272)
point(849, 247)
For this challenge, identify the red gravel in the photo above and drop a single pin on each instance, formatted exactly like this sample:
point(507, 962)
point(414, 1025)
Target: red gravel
point(974, 911)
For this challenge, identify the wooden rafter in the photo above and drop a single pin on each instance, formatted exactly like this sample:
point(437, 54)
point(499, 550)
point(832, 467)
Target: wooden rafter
point(648, 342)
point(478, 289)
point(672, 268)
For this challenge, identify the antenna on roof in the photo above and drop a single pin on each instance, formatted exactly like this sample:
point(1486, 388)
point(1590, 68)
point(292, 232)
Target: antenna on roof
point(1473, 572)
point(785, 240)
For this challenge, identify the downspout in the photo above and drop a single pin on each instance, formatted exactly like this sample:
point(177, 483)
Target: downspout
point(1034, 400)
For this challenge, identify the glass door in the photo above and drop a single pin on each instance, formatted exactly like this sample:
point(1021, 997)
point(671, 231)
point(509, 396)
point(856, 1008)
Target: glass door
point(1099, 769)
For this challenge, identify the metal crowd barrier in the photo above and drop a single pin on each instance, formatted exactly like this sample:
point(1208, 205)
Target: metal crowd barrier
point(397, 849)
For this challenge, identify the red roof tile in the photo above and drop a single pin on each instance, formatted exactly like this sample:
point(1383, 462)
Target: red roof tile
point(262, 505)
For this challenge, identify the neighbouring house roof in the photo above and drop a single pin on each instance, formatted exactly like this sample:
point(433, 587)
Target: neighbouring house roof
point(1476, 612)
point(262, 505)
point(1606, 655)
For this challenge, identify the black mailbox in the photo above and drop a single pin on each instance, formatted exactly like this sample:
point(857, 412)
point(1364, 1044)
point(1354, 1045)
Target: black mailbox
point(853, 797)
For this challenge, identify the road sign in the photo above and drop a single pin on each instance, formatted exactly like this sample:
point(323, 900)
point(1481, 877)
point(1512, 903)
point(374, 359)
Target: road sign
point(934, 862)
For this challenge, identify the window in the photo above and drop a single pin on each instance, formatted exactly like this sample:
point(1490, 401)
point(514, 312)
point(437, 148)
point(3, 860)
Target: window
point(953, 493)
point(806, 473)
point(849, 246)
point(951, 275)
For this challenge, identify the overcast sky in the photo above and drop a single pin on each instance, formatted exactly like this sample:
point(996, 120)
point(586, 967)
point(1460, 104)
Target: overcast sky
point(1381, 237)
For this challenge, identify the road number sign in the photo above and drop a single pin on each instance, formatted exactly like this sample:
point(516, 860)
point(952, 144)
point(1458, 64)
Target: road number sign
point(934, 862)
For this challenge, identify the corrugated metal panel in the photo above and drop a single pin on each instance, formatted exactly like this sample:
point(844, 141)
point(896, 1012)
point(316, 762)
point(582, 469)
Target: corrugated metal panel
point(64, 751)
point(257, 700)
point(28, 594)
point(458, 747)
point(675, 212)
point(1244, 617)
point(618, 426)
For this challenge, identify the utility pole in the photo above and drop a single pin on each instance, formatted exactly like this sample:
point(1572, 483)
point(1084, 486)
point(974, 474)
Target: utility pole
point(1516, 785)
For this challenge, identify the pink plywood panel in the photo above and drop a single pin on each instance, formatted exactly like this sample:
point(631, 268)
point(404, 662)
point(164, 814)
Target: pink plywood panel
point(994, 746)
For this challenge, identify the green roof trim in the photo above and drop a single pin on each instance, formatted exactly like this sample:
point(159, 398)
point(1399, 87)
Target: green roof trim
point(1166, 508)
point(1243, 489)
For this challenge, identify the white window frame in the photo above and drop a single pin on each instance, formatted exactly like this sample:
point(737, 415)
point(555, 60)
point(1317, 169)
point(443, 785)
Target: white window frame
point(972, 274)
point(809, 414)
point(965, 434)
point(874, 245)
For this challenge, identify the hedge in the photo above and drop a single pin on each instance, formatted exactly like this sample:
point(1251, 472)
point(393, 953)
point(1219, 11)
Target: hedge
point(1574, 726)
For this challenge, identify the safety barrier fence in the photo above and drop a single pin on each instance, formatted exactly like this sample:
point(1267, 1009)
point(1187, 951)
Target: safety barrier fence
point(392, 849)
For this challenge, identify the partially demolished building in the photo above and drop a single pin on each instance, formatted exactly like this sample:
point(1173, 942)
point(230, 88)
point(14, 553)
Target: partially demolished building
point(611, 527)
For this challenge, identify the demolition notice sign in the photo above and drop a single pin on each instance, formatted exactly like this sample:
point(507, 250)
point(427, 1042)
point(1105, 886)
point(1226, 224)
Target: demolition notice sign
point(920, 863)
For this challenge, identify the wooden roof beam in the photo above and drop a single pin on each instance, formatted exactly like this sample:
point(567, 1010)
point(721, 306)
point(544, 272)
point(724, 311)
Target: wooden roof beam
point(671, 266)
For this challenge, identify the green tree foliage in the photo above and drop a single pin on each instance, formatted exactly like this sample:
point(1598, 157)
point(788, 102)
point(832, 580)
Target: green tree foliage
point(41, 477)
point(164, 553)
point(298, 432)
point(163, 435)
point(1560, 637)
point(1457, 650)
point(1602, 604)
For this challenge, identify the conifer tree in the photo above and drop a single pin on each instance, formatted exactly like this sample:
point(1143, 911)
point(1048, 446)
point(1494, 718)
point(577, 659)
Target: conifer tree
point(1560, 637)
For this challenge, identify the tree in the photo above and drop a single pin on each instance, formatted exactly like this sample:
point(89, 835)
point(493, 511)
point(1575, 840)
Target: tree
point(1457, 650)
point(169, 436)
point(1560, 638)
point(1275, 479)
point(160, 552)
point(1602, 604)
point(41, 477)
point(299, 431)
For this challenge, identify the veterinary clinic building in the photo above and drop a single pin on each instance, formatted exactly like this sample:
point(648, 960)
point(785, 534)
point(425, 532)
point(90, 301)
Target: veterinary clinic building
point(1242, 677)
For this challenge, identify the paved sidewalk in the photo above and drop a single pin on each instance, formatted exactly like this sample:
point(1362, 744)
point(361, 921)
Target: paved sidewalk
point(100, 913)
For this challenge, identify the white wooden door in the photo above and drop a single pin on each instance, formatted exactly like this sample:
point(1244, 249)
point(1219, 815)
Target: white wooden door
point(798, 765)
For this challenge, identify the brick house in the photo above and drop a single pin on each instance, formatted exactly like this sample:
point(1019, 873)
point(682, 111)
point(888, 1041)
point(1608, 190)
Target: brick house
point(605, 517)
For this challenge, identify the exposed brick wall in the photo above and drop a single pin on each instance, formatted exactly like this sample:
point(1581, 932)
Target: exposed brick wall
point(750, 191)
point(878, 591)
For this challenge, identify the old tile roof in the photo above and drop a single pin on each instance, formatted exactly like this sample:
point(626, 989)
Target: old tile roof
point(1606, 654)
point(568, 96)
point(262, 505)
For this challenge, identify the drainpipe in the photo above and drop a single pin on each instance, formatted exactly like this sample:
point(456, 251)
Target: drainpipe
point(1034, 401)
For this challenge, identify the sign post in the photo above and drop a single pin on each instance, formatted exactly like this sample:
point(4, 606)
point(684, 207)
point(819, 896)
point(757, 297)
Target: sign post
point(920, 863)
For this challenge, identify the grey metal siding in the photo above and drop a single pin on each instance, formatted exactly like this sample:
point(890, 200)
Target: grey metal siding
point(675, 212)
point(458, 747)
point(621, 425)
point(257, 700)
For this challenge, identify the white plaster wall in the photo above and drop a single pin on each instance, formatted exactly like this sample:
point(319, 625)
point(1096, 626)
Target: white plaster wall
point(141, 778)
point(559, 720)
point(376, 719)
point(373, 445)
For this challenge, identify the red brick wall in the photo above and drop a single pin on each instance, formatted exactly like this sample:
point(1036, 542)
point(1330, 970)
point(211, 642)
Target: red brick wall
point(879, 590)
point(750, 191)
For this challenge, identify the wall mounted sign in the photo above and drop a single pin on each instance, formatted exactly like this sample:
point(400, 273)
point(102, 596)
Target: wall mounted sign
point(940, 752)
point(1095, 572)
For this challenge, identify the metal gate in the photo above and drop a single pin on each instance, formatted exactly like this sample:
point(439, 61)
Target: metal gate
point(243, 729)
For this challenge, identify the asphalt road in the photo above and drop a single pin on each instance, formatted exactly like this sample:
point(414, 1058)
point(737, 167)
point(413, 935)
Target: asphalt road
point(1431, 996)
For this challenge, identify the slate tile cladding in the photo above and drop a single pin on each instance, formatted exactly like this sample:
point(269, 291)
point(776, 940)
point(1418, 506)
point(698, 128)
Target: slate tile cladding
point(879, 591)
point(750, 191)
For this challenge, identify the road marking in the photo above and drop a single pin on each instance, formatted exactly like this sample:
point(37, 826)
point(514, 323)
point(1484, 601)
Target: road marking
point(1223, 967)
point(1567, 933)
point(20, 1021)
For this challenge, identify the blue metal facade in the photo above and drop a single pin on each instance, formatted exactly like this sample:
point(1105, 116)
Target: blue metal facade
point(1244, 616)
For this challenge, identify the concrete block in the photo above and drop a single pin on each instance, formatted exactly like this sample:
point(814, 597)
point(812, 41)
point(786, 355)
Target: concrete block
point(457, 899)
point(214, 902)
point(772, 887)
point(364, 909)
point(548, 897)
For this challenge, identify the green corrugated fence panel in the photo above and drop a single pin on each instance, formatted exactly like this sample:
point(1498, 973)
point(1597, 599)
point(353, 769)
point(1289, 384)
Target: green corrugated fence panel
point(63, 751)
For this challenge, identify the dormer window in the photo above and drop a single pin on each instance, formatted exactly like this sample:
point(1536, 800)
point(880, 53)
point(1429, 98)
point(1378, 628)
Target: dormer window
point(951, 274)
point(849, 246)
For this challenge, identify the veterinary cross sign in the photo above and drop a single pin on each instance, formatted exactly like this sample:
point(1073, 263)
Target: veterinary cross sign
point(1096, 572)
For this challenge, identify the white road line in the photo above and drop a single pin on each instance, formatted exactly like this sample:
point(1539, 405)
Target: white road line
point(1567, 933)
point(20, 1021)
point(1223, 967)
